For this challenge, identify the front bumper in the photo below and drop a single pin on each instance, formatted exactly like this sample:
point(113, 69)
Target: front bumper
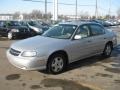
point(27, 63)
point(21, 35)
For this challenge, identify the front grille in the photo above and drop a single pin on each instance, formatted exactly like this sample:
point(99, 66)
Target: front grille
point(14, 52)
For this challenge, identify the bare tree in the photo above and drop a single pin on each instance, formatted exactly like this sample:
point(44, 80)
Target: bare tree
point(49, 16)
point(93, 17)
point(84, 15)
point(26, 16)
point(118, 13)
point(36, 14)
point(16, 15)
point(107, 16)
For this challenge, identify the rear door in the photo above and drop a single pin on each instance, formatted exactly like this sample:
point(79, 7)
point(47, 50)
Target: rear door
point(99, 37)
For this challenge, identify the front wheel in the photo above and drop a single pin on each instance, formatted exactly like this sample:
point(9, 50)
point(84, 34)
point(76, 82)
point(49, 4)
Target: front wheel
point(56, 63)
point(10, 35)
point(107, 51)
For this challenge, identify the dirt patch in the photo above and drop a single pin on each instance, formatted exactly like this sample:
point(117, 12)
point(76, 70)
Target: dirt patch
point(96, 64)
point(113, 70)
point(7, 84)
point(13, 77)
point(3, 39)
point(108, 60)
point(23, 84)
point(64, 84)
point(4, 48)
point(35, 87)
point(116, 65)
point(117, 81)
point(104, 75)
point(104, 66)
point(20, 80)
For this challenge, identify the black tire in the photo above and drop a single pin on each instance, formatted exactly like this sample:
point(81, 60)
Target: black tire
point(107, 50)
point(53, 64)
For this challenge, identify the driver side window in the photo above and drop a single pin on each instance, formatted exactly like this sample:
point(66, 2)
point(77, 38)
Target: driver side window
point(83, 31)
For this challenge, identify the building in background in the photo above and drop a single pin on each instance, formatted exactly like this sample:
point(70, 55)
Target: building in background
point(6, 16)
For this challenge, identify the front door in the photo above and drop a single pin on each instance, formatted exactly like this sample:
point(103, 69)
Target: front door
point(81, 47)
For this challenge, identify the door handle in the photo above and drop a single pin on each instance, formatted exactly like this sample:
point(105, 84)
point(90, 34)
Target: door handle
point(105, 38)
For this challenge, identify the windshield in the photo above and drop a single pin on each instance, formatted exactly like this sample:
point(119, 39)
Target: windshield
point(61, 31)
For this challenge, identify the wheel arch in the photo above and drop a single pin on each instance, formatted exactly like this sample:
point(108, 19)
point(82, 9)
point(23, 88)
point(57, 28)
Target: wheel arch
point(110, 42)
point(60, 52)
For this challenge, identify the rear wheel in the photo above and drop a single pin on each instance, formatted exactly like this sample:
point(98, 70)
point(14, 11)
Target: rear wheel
point(56, 63)
point(107, 51)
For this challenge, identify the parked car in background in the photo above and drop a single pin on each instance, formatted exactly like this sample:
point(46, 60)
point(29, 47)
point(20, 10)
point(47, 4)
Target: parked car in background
point(36, 27)
point(62, 44)
point(113, 22)
point(13, 30)
point(102, 22)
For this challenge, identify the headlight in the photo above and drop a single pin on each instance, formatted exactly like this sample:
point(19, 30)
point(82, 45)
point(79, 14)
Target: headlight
point(15, 30)
point(38, 30)
point(29, 54)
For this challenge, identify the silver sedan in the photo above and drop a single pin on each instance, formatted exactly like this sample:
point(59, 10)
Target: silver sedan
point(60, 45)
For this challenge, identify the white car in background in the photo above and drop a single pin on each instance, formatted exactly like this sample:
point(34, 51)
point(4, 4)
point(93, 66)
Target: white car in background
point(63, 44)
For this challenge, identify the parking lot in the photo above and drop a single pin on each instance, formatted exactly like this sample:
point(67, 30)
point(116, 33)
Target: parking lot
point(94, 73)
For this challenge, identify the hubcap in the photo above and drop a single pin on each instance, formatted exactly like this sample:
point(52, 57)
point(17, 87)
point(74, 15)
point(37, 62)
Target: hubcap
point(57, 64)
point(108, 49)
point(9, 35)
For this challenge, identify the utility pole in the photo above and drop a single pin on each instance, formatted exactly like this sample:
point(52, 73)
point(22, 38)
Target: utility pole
point(55, 10)
point(109, 12)
point(45, 10)
point(76, 9)
point(45, 7)
point(96, 9)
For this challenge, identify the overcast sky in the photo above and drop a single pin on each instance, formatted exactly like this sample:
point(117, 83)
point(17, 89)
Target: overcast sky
point(11, 6)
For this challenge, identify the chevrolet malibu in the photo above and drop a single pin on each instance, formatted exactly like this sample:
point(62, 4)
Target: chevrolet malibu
point(62, 44)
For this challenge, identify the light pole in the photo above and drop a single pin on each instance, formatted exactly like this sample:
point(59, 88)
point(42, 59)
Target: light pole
point(45, 7)
point(109, 12)
point(76, 9)
point(96, 9)
point(55, 10)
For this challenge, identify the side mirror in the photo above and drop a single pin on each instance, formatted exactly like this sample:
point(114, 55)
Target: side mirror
point(77, 37)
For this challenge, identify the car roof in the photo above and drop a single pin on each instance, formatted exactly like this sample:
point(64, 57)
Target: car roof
point(78, 23)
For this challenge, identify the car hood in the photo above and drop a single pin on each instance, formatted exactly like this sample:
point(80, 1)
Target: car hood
point(17, 27)
point(39, 27)
point(38, 42)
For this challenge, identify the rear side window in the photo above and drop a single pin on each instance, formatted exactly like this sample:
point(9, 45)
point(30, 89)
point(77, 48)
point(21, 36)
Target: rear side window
point(96, 30)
